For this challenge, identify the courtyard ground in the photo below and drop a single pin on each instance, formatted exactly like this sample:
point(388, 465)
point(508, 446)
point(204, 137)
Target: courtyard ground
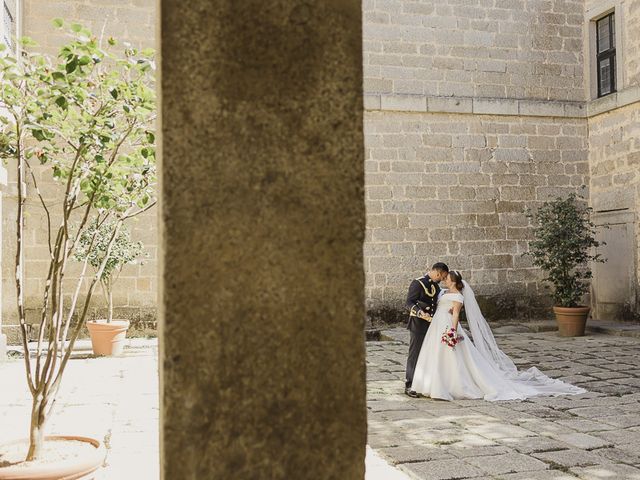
point(591, 436)
point(114, 400)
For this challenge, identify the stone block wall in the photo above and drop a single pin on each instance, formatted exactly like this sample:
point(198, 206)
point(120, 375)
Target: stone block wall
point(475, 111)
point(632, 42)
point(132, 21)
point(474, 48)
point(135, 293)
point(614, 156)
point(454, 188)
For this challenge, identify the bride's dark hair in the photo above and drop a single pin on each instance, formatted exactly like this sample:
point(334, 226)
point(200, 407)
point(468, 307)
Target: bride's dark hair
point(456, 278)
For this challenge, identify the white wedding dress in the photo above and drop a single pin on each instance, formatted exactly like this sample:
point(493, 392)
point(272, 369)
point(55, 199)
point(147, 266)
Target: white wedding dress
point(478, 369)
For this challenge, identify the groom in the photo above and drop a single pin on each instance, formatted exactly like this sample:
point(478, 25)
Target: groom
point(422, 301)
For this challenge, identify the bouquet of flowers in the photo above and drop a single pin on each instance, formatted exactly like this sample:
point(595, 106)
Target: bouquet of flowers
point(451, 338)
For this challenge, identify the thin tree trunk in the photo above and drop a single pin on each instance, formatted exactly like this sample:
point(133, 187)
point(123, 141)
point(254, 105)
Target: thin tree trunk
point(36, 431)
point(110, 299)
point(19, 274)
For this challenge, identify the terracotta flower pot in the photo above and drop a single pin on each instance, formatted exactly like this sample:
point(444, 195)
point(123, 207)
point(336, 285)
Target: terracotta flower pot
point(108, 338)
point(571, 320)
point(64, 469)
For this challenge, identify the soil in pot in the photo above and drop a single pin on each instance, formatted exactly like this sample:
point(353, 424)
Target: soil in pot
point(63, 458)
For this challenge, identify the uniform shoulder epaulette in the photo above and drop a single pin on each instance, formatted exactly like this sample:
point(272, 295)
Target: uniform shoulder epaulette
point(430, 292)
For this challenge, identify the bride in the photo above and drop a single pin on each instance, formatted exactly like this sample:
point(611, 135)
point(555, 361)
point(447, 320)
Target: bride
point(477, 369)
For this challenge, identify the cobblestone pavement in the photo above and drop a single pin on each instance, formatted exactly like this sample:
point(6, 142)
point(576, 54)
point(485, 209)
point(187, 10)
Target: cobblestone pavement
point(591, 436)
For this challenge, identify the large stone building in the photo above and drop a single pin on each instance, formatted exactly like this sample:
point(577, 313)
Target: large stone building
point(475, 110)
point(479, 109)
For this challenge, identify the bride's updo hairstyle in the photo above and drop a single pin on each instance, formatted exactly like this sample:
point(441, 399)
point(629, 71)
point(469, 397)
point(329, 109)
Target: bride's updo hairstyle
point(455, 277)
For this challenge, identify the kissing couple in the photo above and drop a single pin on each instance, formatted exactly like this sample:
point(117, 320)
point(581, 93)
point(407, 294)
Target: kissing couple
point(447, 363)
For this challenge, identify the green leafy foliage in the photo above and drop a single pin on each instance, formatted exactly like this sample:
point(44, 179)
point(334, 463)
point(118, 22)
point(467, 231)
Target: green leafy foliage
point(564, 238)
point(94, 246)
point(86, 113)
point(108, 248)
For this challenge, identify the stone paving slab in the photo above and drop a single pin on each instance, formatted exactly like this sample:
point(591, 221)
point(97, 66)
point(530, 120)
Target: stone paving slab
point(588, 436)
point(442, 470)
point(539, 475)
point(507, 463)
point(582, 440)
point(610, 472)
point(571, 458)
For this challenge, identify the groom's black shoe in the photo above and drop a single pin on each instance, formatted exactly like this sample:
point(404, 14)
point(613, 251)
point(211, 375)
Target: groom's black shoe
point(410, 393)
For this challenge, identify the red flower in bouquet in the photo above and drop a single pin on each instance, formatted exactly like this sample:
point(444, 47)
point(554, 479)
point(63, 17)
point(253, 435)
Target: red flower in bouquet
point(451, 338)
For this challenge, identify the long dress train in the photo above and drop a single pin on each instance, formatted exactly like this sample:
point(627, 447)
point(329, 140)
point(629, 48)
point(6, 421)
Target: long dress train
point(477, 369)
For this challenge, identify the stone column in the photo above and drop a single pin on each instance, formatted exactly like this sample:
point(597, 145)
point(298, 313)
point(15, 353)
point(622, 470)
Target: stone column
point(3, 337)
point(263, 222)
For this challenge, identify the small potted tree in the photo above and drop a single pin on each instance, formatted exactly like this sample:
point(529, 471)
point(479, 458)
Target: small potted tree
point(84, 121)
point(564, 239)
point(108, 335)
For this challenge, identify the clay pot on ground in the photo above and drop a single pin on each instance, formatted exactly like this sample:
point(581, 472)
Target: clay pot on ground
point(108, 338)
point(571, 320)
point(71, 459)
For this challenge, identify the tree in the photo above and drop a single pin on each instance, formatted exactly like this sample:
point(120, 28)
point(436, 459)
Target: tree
point(93, 246)
point(563, 240)
point(86, 117)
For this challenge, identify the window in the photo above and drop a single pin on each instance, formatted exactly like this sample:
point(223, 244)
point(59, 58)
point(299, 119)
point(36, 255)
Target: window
point(606, 54)
point(8, 23)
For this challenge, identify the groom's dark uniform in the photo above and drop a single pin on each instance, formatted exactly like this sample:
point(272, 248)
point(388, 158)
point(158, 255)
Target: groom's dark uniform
point(422, 296)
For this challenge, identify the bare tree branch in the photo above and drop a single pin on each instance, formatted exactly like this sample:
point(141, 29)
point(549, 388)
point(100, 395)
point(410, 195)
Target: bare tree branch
point(19, 254)
point(42, 202)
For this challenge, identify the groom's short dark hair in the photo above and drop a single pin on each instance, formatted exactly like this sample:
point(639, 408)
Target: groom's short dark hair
point(441, 267)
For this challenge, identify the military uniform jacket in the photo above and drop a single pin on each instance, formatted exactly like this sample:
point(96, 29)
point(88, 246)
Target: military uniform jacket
point(423, 295)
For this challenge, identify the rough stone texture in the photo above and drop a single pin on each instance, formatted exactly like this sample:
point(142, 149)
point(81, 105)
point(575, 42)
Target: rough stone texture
point(507, 463)
point(632, 42)
point(614, 158)
point(132, 21)
point(135, 293)
point(263, 224)
point(477, 48)
point(454, 188)
point(441, 470)
point(609, 471)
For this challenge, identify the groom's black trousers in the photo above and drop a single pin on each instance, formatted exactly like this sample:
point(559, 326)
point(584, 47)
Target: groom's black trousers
point(415, 343)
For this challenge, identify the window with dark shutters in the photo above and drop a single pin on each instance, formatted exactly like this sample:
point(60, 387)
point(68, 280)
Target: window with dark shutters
point(606, 54)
